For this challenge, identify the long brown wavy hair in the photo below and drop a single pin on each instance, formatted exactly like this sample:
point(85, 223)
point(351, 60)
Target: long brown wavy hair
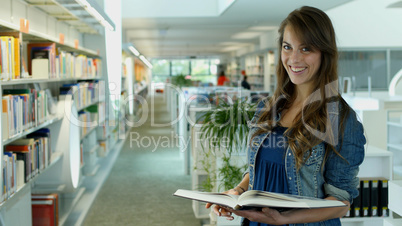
point(313, 124)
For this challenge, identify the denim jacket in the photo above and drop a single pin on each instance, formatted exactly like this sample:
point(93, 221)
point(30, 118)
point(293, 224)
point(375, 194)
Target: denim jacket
point(339, 177)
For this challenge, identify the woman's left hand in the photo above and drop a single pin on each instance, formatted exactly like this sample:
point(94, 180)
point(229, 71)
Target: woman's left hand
point(265, 215)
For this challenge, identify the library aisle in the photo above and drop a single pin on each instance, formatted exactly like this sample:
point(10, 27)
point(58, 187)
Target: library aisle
point(139, 188)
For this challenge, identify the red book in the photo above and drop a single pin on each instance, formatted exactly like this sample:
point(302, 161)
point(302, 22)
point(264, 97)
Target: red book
point(22, 145)
point(45, 210)
point(18, 148)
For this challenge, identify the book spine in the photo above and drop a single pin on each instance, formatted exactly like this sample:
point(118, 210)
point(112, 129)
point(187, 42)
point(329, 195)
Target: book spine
point(373, 184)
point(383, 188)
point(365, 198)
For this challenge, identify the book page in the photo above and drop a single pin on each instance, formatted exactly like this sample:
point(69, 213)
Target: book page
point(269, 199)
point(216, 198)
point(252, 193)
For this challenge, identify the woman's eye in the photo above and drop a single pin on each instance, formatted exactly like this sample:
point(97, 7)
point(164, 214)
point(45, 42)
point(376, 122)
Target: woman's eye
point(306, 49)
point(286, 47)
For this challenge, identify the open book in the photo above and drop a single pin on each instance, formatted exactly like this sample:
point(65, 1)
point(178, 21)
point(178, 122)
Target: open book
point(253, 198)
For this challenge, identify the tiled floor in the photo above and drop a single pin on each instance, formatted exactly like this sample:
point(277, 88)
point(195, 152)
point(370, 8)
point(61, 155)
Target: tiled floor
point(146, 174)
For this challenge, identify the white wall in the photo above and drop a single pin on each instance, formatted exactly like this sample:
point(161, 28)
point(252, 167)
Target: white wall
point(367, 23)
point(247, 49)
point(223, 5)
point(269, 39)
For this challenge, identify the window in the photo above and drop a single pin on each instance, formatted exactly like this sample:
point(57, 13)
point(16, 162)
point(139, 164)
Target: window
point(160, 70)
point(396, 62)
point(180, 67)
point(203, 70)
point(361, 65)
point(200, 67)
point(161, 67)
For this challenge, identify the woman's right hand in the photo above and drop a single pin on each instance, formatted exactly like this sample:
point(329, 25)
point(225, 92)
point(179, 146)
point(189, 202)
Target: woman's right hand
point(222, 211)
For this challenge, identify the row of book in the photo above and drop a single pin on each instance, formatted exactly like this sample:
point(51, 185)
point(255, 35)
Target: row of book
point(23, 109)
point(372, 200)
point(23, 159)
point(88, 118)
point(44, 60)
point(84, 93)
point(12, 65)
point(67, 65)
point(47, 61)
point(94, 115)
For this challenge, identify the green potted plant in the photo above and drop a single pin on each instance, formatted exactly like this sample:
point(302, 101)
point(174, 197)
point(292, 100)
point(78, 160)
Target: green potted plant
point(181, 81)
point(225, 132)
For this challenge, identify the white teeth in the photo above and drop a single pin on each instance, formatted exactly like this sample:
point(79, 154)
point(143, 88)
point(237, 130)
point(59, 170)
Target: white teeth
point(298, 69)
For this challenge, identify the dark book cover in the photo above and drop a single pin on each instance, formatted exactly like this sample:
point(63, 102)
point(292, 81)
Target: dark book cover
point(365, 196)
point(357, 203)
point(383, 206)
point(373, 198)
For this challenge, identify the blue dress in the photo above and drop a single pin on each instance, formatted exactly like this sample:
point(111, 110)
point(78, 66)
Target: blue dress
point(270, 173)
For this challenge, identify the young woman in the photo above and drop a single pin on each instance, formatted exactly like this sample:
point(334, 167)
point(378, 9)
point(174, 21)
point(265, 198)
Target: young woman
point(305, 140)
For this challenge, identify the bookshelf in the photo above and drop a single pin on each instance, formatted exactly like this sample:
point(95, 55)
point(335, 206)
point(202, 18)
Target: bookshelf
point(233, 71)
point(134, 89)
point(141, 87)
point(260, 68)
point(377, 164)
point(255, 69)
point(79, 183)
point(270, 71)
point(394, 144)
point(380, 115)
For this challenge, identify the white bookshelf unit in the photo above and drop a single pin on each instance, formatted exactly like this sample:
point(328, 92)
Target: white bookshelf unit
point(255, 71)
point(377, 164)
point(380, 114)
point(82, 153)
point(260, 68)
point(270, 72)
point(233, 71)
point(394, 125)
point(394, 144)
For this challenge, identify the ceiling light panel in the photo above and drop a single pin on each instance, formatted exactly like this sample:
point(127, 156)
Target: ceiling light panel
point(246, 35)
point(262, 28)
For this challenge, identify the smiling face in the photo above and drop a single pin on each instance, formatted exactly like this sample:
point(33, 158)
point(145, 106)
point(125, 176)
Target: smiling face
point(300, 61)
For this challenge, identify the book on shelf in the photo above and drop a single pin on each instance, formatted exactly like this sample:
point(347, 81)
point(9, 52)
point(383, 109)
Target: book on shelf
point(26, 152)
point(7, 56)
point(45, 209)
point(21, 101)
point(365, 197)
point(372, 200)
point(257, 199)
point(20, 173)
point(14, 53)
point(42, 58)
point(24, 108)
point(34, 151)
point(9, 174)
point(84, 93)
point(383, 196)
point(44, 143)
point(40, 68)
point(5, 118)
point(356, 204)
